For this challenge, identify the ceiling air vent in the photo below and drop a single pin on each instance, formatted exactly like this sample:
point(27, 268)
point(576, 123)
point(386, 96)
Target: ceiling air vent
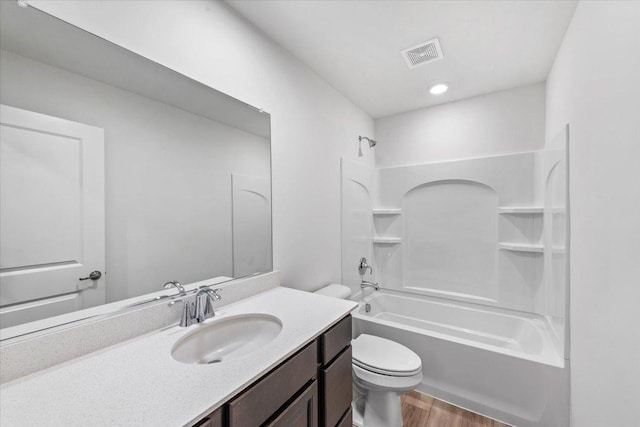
point(423, 53)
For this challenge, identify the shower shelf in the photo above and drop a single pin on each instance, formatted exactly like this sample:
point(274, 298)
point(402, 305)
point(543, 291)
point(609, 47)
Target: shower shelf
point(521, 210)
point(390, 211)
point(387, 240)
point(519, 247)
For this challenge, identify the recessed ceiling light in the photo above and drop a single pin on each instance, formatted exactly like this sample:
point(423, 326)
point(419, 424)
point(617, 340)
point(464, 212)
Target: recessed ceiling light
point(438, 89)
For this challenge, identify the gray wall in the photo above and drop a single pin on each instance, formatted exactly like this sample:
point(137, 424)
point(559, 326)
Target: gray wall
point(505, 122)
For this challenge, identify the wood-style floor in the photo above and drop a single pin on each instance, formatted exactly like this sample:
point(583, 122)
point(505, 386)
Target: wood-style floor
point(420, 410)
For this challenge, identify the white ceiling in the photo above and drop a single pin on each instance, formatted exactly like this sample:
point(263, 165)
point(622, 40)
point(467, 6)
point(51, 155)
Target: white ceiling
point(355, 45)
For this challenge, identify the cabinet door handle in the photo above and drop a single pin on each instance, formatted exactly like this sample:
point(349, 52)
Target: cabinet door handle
point(94, 275)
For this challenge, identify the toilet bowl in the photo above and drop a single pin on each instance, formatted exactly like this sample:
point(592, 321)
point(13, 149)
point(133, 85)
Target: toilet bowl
point(383, 370)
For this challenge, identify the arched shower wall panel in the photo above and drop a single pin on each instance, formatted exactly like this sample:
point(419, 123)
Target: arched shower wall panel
point(450, 240)
point(496, 260)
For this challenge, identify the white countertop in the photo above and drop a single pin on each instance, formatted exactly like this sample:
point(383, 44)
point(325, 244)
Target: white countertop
point(137, 382)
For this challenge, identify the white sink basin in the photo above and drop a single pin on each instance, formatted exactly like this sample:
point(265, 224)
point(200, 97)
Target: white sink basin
point(225, 339)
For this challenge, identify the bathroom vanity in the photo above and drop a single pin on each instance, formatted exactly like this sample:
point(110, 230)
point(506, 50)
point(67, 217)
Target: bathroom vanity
point(300, 377)
point(311, 388)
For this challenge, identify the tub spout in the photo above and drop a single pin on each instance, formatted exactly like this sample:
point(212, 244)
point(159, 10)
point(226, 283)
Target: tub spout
point(365, 284)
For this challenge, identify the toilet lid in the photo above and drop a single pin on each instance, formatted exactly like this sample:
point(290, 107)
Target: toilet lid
point(384, 356)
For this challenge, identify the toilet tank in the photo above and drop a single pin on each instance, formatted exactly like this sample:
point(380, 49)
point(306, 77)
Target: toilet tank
point(335, 290)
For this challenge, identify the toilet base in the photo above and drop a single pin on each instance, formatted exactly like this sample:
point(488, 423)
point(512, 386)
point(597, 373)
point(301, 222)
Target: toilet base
point(357, 407)
point(378, 409)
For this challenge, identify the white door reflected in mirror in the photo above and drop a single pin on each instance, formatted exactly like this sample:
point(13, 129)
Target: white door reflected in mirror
point(52, 226)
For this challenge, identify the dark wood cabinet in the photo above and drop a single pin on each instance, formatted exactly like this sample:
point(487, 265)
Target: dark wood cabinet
point(347, 419)
point(302, 412)
point(336, 379)
point(335, 374)
point(260, 401)
point(311, 388)
point(334, 340)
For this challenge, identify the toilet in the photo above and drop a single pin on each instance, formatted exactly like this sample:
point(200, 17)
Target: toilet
point(383, 370)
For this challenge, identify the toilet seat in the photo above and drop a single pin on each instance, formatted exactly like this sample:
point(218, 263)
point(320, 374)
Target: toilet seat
point(385, 357)
point(385, 372)
point(374, 381)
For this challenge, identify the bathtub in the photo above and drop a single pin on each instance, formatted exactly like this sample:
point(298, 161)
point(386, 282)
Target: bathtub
point(502, 364)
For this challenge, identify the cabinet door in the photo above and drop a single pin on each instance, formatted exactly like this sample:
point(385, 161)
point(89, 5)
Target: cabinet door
point(337, 389)
point(260, 402)
point(302, 412)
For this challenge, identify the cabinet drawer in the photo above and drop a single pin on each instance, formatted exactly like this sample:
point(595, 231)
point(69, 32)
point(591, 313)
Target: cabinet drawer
point(302, 412)
point(335, 340)
point(257, 404)
point(347, 419)
point(337, 389)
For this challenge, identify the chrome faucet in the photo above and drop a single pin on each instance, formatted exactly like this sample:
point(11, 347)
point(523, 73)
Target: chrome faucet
point(365, 284)
point(362, 269)
point(200, 310)
point(177, 285)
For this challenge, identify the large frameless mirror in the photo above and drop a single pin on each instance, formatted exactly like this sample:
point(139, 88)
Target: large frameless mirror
point(117, 176)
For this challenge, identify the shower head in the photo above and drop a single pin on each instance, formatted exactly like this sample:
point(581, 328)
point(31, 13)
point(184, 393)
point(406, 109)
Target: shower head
point(371, 142)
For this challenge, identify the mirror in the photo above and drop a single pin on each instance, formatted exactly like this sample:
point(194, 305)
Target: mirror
point(118, 175)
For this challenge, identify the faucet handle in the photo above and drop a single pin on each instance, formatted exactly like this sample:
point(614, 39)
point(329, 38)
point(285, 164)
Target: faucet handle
point(204, 303)
point(213, 293)
point(212, 296)
point(363, 267)
point(177, 285)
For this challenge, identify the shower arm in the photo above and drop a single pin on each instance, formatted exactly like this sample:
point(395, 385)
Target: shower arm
point(372, 143)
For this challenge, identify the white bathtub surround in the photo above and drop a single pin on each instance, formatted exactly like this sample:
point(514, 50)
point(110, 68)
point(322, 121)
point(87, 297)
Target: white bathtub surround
point(139, 376)
point(488, 230)
point(26, 354)
point(505, 365)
